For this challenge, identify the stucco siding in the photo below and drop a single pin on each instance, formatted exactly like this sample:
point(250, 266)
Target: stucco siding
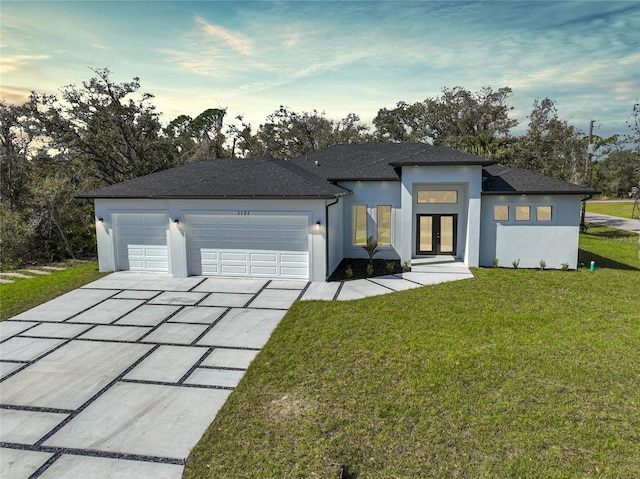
point(467, 180)
point(555, 241)
point(372, 194)
point(177, 233)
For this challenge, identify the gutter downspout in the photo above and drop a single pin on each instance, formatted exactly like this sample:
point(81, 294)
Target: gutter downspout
point(583, 226)
point(326, 243)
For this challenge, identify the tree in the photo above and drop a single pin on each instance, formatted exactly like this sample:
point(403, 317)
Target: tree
point(551, 146)
point(458, 118)
point(206, 128)
point(113, 128)
point(287, 134)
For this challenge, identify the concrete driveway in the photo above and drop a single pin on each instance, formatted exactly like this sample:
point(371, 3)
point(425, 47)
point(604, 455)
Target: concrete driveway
point(122, 377)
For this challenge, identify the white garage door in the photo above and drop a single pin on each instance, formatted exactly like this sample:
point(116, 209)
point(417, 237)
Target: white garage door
point(142, 241)
point(255, 245)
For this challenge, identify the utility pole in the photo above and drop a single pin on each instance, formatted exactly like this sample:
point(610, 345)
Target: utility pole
point(588, 168)
point(589, 163)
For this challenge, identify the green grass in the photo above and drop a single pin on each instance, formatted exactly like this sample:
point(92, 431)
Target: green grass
point(26, 293)
point(621, 210)
point(516, 373)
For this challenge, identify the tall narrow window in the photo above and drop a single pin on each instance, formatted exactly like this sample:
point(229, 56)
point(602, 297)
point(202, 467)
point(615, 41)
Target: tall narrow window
point(543, 213)
point(359, 214)
point(523, 213)
point(501, 213)
point(384, 225)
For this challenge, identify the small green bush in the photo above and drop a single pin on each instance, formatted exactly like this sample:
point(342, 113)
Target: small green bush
point(515, 263)
point(390, 267)
point(370, 269)
point(349, 272)
point(405, 266)
point(496, 262)
point(543, 265)
point(565, 266)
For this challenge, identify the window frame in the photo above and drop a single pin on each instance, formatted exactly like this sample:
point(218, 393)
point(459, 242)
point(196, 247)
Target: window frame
point(519, 208)
point(437, 202)
point(494, 212)
point(550, 213)
point(390, 225)
point(354, 224)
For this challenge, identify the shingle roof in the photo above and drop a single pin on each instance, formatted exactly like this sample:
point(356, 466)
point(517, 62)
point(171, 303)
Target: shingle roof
point(499, 180)
point(261, 177)
point(376, 161)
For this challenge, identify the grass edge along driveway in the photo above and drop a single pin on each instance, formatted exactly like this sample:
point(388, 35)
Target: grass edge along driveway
point(612, 208)
point(25, 293)
point(516, 373)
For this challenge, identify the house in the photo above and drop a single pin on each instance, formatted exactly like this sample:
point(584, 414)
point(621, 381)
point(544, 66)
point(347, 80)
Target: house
point(298, 219)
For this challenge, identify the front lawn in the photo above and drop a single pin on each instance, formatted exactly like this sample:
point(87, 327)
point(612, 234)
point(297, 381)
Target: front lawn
point(516, 373)
point(613, 208)
point(25, 293)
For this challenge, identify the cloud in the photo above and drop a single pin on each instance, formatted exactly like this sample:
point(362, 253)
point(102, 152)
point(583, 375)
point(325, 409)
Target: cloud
point(14, 96)
point(12, 63)
point(236, 41)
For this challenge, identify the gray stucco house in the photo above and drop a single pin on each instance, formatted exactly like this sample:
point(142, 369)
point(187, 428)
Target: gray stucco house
point(298, 219)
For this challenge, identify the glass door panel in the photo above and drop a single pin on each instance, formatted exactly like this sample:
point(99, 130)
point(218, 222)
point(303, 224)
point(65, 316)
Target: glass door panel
point(446, 235)
point(425, 235)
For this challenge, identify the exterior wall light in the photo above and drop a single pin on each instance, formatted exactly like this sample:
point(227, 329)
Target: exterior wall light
point(176, 221)
point(318, 224)
point(101, 220)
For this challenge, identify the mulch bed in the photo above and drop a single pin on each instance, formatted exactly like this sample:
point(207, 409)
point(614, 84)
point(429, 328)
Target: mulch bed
point(359, 267)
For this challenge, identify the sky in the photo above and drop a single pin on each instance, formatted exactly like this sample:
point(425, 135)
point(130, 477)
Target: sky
point(334, 57)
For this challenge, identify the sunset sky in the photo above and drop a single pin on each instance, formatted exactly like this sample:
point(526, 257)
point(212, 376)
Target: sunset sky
point(336, 57)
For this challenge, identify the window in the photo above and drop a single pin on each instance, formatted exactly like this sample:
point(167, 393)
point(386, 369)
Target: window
point(500, 213)
point(438, 196)
point(522, 213)
point(359, 224)
point(384, 225)
point(543, 213)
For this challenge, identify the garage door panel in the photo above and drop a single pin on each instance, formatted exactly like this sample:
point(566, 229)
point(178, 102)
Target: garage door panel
point(263, 257)
point(264, 270)
point(233, 256)
point(294, 258)
point(141, 240)
point(249, 245)
point(231, 269)
point(288, 272)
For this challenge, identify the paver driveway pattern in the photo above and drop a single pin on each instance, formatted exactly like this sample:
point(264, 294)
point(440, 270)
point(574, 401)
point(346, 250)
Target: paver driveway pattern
point(122, 377)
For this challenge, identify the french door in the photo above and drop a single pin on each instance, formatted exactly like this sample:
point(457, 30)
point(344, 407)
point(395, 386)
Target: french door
point(436, 234)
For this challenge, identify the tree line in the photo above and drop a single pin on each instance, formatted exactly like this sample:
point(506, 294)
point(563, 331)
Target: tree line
point(103, 132)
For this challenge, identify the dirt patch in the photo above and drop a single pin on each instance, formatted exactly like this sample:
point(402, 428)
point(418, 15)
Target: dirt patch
point(359, 268)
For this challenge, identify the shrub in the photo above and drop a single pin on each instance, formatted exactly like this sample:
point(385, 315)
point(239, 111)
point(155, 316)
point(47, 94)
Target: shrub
point(390, 267)
point(405, 266)
point(349, 272)
point(515, 263)
point(370, 269)
point(496, 262)
point(371, 247)
point(543, 264)
point(565, 266)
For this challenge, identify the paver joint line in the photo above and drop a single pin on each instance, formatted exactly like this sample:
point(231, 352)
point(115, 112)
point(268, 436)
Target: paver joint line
point(264, 303)
point(87, 403)
point(92, 453)
point(18, 407)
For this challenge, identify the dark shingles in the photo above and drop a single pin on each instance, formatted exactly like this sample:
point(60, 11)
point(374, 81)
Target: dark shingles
point(261, 177)
point(378, 161)
point(500, 180)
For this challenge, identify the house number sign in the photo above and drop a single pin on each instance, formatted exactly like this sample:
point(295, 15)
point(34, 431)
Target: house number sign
point(243, 212)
